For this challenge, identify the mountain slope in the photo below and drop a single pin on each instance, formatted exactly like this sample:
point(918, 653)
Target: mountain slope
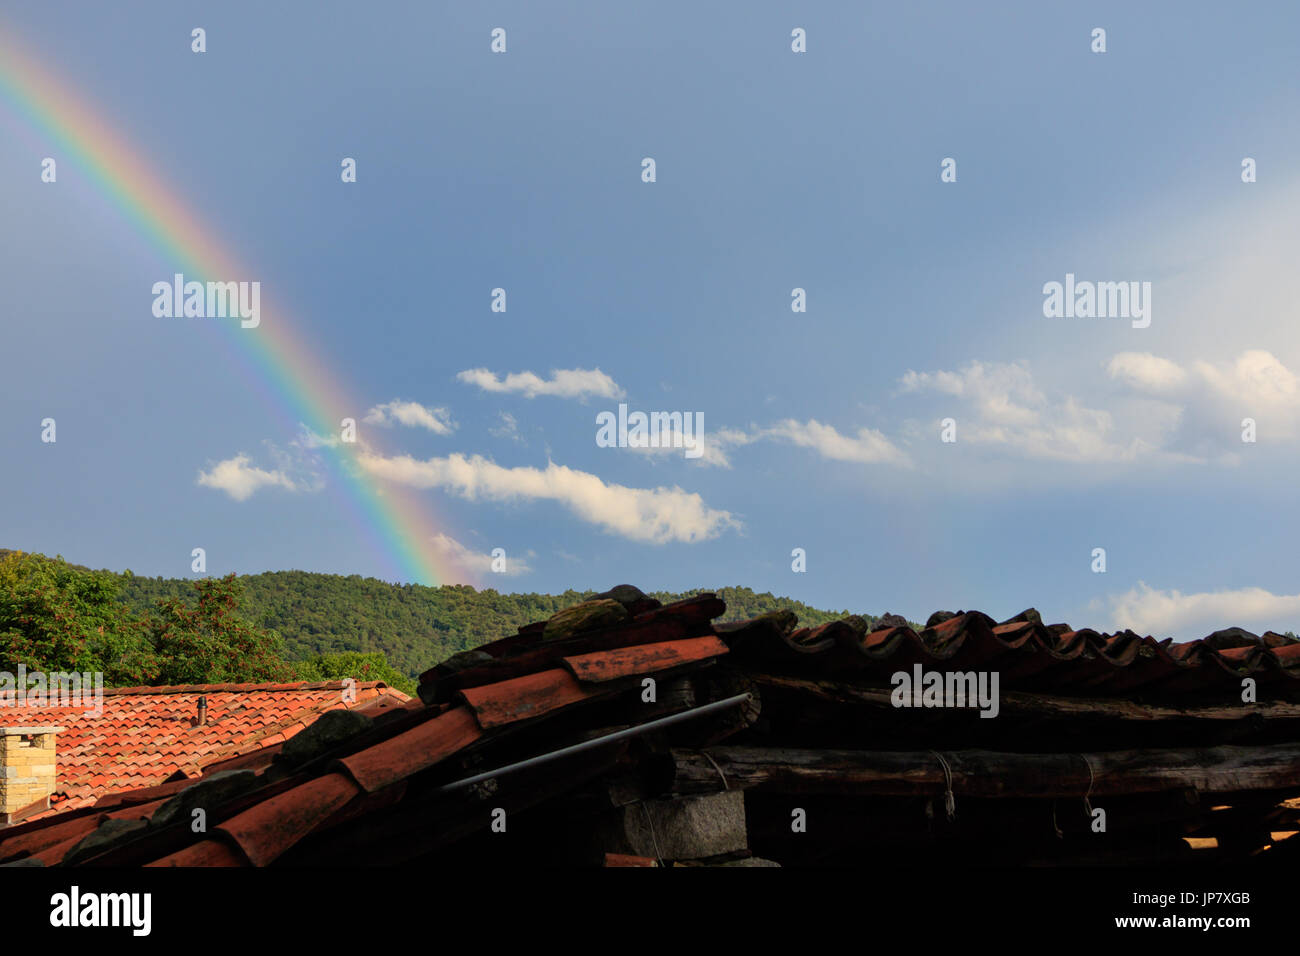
point(415, 626)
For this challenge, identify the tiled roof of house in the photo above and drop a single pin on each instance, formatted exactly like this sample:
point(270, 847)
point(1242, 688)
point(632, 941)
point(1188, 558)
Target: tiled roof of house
point(147, 735)
point(377, 784)
point(1028, 655)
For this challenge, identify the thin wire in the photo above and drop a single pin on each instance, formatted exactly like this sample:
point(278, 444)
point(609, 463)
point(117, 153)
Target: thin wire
point(653, 839)
point(949, 798)
point(1087, 805)
point(709, 758)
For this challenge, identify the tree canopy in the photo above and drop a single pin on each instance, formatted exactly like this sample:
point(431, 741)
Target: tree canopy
point(280, 625)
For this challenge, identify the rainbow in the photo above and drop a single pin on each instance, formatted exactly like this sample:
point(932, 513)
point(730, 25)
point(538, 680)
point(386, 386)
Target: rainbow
point(278, 360)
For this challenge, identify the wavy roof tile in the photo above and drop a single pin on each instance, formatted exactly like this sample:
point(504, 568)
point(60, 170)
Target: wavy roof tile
point(147, 735)
point(1028, 655)
point(517, 698)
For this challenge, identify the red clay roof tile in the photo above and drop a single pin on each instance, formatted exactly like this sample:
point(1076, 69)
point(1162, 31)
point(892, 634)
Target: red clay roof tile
point(27, 840)
point(643, 659)
point(528, 678)
point(523, 698)
point(413, 750)
point(51, 855)
point(269, 828)
point(203, 853)
point(145, 735)
point(1028, 655)
point(624, 859)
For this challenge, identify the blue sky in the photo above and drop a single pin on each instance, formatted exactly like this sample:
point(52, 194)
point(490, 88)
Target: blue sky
point(775, 170)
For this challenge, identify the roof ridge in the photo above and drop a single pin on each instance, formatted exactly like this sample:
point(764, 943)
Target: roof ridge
point(237, 688)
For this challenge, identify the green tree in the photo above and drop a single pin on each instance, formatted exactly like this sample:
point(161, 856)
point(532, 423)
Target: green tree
point(358, 666)
point(210, 644)
point(415, 626)
point(57, 617)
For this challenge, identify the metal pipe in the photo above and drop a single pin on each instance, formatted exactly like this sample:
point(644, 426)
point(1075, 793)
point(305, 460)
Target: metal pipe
point(597, 742)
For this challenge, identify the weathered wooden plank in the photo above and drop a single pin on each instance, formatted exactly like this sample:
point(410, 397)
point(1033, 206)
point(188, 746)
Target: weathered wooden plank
point(983, 773)
point(1038, 705)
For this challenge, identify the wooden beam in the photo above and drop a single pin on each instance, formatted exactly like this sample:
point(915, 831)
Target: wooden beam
point(1036, 705)
point(983, 773)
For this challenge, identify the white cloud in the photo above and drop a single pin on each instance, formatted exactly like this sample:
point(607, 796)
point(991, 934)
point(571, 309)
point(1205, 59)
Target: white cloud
point(1255, 379)
point(478, 562)
point(1146, 372)
point(310, 440)
point(1213, 397)
point(1001, 405)
point(867, 447)
point(563, 383)
point(1004, 394)
point(712, 445)
point(413, 415)
point(718, 440)
point(509, 428)
point(655, 515)
point(1188, 616)
point(1168, 412)
point(239, 478)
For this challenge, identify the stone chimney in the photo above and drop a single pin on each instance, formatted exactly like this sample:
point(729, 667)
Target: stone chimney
point(27, 760)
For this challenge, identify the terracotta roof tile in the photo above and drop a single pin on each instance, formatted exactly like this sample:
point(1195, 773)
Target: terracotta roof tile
point(413, 750)
point(527, 653)
point(203, 853)
point(266, 830)
point(523, 698)
point(646, 658)
point(52, 854)
point(479, 699)
point(624, 859)
point(25, 841)
point(147, 734)
point(1027, 654)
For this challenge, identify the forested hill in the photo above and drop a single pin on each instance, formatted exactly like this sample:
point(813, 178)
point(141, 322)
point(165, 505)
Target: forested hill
point(415, 626)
